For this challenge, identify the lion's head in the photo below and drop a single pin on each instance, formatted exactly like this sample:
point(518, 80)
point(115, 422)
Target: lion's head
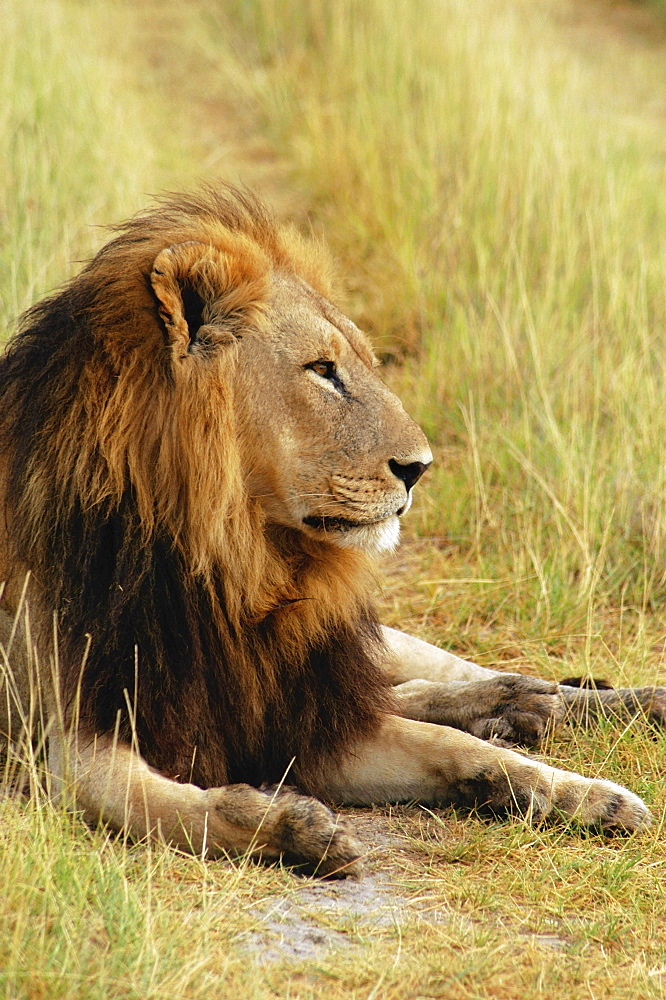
point(198, 452)
point(328, 450)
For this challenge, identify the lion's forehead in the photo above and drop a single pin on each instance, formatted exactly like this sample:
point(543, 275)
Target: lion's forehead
point(304, 320)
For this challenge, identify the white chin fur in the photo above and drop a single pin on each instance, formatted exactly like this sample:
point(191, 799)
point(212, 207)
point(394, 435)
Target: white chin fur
point(373, 538)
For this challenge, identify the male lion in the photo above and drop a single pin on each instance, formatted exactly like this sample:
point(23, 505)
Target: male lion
point(197, 463)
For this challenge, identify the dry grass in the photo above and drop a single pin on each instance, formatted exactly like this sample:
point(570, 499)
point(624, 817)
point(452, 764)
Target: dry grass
point(64, 140)
point(495, 189)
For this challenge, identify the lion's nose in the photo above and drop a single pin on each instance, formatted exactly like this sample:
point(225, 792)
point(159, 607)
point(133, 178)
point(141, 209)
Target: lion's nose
point(410, 473)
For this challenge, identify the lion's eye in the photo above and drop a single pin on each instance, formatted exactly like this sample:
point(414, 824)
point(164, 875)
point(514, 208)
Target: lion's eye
point(328, 370)
point(324, 368)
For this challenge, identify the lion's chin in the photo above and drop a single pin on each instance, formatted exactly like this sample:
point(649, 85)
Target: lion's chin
point(382, 536)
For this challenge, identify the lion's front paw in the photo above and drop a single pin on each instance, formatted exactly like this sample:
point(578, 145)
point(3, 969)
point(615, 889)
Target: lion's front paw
point(307, 830)
point(279, 822)
point(508, 709)
point(544, 793)
point(515, 710)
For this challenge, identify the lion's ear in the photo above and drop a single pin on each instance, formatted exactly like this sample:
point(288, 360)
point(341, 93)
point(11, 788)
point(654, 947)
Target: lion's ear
point(203, 295)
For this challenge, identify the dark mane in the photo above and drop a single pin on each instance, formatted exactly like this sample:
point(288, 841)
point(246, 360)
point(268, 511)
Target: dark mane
point(228, 662)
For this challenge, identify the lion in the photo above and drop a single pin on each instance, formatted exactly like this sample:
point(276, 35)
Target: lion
point(199, 464)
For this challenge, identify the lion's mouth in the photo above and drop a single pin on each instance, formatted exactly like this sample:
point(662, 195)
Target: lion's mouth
point(337, 523)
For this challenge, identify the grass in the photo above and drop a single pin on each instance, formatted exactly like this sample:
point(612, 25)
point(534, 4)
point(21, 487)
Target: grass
point(494, 188)
point(92, 917)
point(76, 150)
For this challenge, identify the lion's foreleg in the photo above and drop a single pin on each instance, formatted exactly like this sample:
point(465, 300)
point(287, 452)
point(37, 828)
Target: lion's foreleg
point(112, 783)
point(413, 659)
point(410, 760)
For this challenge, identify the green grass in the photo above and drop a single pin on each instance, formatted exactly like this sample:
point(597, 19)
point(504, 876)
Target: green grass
point(88, 916)
point(491, 177)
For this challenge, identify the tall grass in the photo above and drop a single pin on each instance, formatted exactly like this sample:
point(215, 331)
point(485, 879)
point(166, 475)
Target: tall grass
point(75, 149)
point(498, 202)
